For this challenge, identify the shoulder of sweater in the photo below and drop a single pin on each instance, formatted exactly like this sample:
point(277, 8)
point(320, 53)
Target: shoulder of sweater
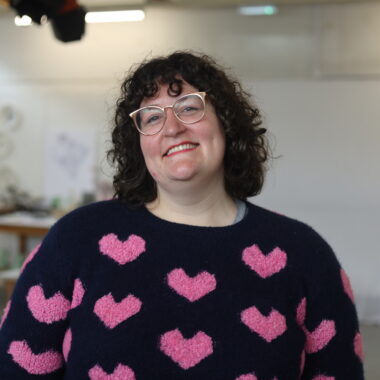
point(96, 209)
point(278, 220)
point(86, 217)
point(295, 229)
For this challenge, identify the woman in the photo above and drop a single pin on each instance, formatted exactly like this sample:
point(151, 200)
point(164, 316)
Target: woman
point(179, 277)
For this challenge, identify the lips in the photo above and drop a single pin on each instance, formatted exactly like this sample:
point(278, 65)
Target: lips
point(183, 146)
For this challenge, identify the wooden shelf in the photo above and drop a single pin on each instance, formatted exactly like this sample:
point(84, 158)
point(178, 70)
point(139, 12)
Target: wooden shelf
point(24, 226)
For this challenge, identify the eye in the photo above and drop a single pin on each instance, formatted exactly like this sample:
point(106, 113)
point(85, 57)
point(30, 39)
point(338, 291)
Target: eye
point(188, 105)
point(189, 109)
point(152, 119)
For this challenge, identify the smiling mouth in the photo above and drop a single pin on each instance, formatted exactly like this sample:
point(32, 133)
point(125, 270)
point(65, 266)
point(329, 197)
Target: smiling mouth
point(180, 148)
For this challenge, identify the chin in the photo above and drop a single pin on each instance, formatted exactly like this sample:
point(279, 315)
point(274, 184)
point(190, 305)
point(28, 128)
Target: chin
point(183, 177)
point(183, 173)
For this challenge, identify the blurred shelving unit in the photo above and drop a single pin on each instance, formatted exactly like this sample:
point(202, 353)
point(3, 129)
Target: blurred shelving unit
point(23, 225)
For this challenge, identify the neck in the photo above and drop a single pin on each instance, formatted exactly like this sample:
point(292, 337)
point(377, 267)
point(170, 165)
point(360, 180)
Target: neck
point(209, 205)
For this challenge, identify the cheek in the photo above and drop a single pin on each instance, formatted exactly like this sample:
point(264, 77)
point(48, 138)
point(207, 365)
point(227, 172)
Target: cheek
point(142, 145)
point(147, 148)
point(150, 151)
point(214, 131)
point(154, 174)
point(219, 139)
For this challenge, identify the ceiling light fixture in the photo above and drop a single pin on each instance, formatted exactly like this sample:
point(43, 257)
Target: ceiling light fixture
point(114, 16)
point(23, 21)
point(262, 10)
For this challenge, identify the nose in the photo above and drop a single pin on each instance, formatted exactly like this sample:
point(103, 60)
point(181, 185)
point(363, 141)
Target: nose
point(172, 125)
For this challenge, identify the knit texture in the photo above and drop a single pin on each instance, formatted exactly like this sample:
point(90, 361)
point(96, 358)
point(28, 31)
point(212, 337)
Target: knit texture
point(119, 294)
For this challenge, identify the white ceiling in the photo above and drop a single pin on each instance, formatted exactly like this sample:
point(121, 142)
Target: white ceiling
point(196, 3)
point(209, 3)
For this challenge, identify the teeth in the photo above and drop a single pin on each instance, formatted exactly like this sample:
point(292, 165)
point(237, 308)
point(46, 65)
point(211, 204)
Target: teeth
point(180, 147)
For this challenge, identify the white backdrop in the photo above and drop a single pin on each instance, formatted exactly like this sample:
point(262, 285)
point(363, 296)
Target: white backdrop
point(327, 175)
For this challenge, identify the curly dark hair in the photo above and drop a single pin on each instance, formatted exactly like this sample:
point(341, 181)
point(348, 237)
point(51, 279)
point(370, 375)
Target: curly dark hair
point(247, 148)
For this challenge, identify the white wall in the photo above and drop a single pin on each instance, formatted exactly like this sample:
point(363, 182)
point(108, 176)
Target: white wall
point(327, 134)
point(308, 68)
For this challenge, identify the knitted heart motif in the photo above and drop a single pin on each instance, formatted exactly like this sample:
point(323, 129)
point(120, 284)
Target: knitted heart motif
point(186, 352)
point(66, 345)
point(346, 284)
point(250, 376)
point(112, 313)
point(30, 257)
point(192, 288)
point(358, 346)
point(35, 364)
point(264, 265)
point(122, 251)
point(78, 293)
point(268, 327)
point(47, 310)
point(301, 312)
point(320, 337)
point(302, 363)
point(121, 372)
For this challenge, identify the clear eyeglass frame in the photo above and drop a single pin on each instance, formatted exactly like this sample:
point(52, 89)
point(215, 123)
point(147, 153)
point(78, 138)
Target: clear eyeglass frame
point(201, 95)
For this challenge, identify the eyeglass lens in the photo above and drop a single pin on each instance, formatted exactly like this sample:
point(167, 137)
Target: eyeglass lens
point(188, 109)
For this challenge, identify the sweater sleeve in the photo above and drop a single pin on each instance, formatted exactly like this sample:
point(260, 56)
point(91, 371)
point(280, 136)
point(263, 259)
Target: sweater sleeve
point(327, 315)
point(35, 319)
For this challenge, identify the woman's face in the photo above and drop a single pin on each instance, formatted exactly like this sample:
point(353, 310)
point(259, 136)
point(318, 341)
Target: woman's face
point(202, 161)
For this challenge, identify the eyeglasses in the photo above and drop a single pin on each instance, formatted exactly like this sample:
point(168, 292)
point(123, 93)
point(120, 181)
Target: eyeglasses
point(188, 109)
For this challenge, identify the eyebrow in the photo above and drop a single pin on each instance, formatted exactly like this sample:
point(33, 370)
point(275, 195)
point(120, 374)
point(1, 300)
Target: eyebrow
point(178, 97)
point(150, 105)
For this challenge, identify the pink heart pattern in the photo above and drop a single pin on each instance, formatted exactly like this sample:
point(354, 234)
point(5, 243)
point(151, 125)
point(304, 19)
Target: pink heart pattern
point(301, 312)
point(122, 251)
point(112, 313)
point(358, 346)
point(48, 310)
point(5, 313)
point(268, 327)
point(264, 265)
point(320, 337)
point(186, 352)
point(346, 284)
point(78, 293)
point(30, 257)
point(66, 345)
point(250, 376)
point(121, 372)
point(302, 364)
point(192, 288)
point(35, 364)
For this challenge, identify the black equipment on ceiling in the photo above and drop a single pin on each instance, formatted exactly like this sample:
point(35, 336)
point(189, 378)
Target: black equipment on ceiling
point(66, 16)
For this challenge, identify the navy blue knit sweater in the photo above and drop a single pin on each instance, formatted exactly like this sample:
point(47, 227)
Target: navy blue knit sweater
point(115, 293)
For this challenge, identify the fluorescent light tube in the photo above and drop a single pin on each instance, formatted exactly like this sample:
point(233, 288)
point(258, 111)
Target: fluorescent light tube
point(114, 16)
point(262, 10)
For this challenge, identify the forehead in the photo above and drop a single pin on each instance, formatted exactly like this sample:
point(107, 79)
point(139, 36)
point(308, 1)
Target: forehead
point(163, 97)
